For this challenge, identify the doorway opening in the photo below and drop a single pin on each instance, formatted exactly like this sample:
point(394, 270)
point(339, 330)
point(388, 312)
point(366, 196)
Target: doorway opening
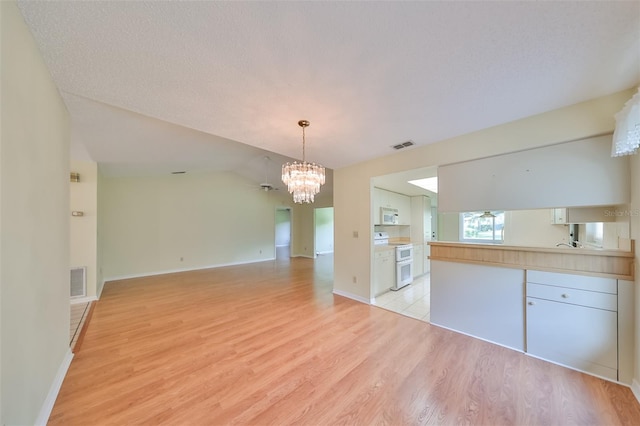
point(323, 230)
point(283, 233)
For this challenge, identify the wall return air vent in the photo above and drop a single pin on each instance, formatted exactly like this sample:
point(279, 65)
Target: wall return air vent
point(78, 282)
point(402, 145)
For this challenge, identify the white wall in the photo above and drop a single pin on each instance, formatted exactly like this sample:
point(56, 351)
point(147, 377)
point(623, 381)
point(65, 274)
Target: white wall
point(99, 240)
point(84, 229)
point(533, 228)
point(153, 225)
point(578, 173)
point(283, 227)
point(634, 215)
point(34, 224)
point(324, 230)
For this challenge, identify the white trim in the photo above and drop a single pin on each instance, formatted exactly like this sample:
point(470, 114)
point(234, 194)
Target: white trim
point(303, 255)
point(635, 388)
point(324, 252)
point(479, 338)
point(173, 271)
point(351, 296)
point(85, 299)
point(609, 379)
point(47, 406)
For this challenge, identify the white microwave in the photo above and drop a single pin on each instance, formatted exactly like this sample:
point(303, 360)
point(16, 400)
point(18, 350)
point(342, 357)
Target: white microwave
point(389, 216)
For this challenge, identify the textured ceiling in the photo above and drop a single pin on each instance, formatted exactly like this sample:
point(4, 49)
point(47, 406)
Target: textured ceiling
point(173, 84)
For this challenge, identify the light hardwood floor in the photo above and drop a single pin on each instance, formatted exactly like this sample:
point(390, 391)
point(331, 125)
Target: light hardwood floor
point(268, 343)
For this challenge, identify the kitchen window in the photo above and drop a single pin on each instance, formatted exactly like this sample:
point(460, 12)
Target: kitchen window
point(482, 227)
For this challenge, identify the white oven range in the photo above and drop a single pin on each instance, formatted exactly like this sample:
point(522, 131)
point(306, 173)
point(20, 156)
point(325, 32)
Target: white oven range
point(404, 266)
point(404, 259)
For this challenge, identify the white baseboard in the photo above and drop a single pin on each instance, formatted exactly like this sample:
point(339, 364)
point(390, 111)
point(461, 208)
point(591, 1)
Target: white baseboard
point(45, 411)
point(635, 388)
point(173, 271)
point(83, 299)
point(351, 296)
point(476, 337)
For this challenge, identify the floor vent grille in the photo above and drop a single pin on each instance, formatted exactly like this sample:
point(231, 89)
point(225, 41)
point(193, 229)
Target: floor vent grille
point(78, 282)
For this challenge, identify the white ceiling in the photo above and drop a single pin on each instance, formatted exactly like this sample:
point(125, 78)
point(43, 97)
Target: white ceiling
point(158, 86)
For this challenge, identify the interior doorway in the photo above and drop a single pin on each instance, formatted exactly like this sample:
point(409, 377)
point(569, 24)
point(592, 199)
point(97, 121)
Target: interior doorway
point(283, 233)
point(323, 230)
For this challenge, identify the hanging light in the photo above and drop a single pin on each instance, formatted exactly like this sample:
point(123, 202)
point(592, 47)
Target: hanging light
point(626, 137)
point(303, 179)
point(488, 220)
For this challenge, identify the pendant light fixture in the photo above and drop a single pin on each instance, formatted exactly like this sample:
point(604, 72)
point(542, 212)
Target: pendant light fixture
point(303, 179)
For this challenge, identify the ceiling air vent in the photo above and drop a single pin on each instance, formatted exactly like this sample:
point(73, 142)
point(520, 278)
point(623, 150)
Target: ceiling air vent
point(406, 144)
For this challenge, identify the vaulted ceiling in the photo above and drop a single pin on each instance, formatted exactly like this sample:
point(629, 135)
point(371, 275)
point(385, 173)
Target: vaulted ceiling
point(155, 86)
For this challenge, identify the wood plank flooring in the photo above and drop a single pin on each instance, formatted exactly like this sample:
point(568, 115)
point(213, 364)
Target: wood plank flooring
point(268, 343)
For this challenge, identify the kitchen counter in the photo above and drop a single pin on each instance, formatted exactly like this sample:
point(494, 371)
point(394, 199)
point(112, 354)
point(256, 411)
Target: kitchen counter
point(617, 264)
point(383, 247)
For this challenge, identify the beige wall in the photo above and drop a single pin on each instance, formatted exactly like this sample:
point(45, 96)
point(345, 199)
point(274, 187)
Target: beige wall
point(34, 223)
point(303, 226)
point(147, 224)
point(84, 229)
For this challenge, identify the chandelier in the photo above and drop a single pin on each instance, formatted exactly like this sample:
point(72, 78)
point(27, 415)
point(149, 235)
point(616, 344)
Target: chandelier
point(303, 180)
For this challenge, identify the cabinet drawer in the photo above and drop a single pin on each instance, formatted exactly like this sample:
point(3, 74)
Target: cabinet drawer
point(573, 296)
point(383, 253)
point(580, 282)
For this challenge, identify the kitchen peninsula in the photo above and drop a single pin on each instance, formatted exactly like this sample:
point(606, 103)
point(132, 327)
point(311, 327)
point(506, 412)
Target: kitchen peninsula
point(570, 306)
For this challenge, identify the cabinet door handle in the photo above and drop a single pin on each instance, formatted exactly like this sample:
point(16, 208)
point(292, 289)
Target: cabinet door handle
point(565, 296)
point(531, 303)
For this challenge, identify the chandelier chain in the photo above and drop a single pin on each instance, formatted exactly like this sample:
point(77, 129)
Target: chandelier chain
point(303, 144)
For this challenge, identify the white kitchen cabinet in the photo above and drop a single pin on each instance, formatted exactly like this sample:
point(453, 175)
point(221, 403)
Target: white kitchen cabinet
point(378, 202)
point(427, 262)
point(384, 198)
point(418, 260)
point(559, 216)
point(420, 232)
point(403, 204)
point(384, 270)
point(572, 320)
point(420, 219)
point(563, 216)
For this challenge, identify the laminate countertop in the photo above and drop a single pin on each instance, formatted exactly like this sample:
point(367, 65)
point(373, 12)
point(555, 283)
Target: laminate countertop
point(597, 262)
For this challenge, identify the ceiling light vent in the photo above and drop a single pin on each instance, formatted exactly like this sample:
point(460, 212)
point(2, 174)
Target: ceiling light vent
point(406, 144)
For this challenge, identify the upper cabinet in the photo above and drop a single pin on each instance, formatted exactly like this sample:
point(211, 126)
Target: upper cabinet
point(563, 216)
point(400, 202)
point(420, 219)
